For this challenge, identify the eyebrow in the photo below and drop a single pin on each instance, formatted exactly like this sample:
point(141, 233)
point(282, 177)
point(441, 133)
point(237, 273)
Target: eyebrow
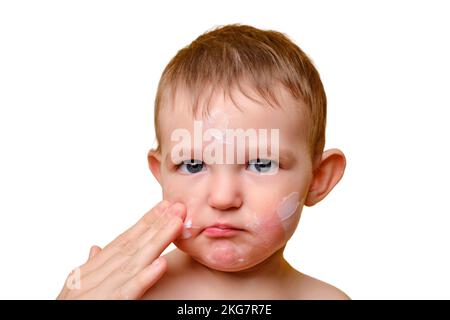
point(284, 154)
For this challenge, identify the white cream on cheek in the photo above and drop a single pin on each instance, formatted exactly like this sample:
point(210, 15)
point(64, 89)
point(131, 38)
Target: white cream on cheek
point(288, 206)
point(186, 234)
point(287, 212)
point(170, 195)
point(187, 228)
point(189, 225)
point(282, 220)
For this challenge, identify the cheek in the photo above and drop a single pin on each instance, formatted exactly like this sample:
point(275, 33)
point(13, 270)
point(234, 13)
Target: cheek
point(268, 228)
point(177, 193)
point(289, 213)
point(268, 233)
point(280, 221)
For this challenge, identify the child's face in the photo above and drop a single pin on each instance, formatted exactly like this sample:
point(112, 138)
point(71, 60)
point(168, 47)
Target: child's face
point(261, 210)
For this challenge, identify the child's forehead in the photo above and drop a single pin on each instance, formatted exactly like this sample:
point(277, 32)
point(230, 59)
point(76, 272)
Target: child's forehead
point(242, 112)
point(243, 105)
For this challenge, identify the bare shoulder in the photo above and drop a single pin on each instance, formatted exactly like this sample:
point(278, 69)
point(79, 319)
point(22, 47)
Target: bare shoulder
point(310, 288)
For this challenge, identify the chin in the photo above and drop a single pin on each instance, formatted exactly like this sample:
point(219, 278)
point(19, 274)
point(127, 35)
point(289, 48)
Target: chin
point(230, 267)
point(227, 256)
point(220, 261)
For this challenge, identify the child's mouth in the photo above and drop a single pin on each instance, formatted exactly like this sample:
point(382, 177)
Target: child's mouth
point(221, 230)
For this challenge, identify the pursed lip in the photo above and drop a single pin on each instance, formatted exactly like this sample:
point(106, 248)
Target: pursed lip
point(221, 230)
point(223, 226)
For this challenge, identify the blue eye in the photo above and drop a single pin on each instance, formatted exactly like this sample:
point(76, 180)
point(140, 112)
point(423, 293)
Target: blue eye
point(191, 166)
point(262, 165)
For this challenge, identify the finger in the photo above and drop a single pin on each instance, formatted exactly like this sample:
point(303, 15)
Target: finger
point(125, 252)
point(93, 252)
point(136, 287)
point(142, 225)
point(161, 239)
point(176, 209)
point(129, 268)
point(126, 237)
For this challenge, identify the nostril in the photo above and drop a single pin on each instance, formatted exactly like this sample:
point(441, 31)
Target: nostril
point(225, 203)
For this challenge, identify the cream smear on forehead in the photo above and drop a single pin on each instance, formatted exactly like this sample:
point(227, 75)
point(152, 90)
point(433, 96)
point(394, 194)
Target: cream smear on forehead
point(218, 121)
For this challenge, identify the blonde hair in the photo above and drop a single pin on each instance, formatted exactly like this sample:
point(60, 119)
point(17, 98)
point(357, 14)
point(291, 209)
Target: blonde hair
point(228, 55)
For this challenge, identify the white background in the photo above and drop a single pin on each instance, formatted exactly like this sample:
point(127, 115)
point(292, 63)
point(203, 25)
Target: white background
point(77, 84)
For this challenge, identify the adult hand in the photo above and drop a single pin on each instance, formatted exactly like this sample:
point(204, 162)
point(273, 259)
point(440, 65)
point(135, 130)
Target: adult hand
point(131, 264)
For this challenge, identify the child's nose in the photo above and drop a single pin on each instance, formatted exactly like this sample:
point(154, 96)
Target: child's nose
point(225, 191)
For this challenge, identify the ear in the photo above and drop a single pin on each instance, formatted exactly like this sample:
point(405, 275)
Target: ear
point(154, 163)
point(327, 174)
